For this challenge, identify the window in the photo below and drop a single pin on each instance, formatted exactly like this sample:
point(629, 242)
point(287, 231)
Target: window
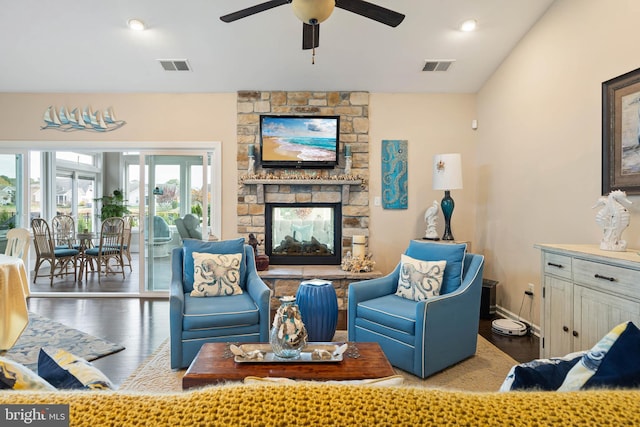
point(65, 183)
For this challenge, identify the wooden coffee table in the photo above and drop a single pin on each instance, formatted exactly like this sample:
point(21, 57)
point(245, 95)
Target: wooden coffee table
point(214, 364)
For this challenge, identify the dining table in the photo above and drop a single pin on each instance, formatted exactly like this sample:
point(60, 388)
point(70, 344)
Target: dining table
point(14, 290)
point(85, 241)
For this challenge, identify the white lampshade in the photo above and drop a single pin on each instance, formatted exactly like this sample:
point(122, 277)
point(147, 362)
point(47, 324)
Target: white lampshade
point(447, 171)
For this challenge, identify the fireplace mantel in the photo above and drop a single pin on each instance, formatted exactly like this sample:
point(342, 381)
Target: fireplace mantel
point(260, 183)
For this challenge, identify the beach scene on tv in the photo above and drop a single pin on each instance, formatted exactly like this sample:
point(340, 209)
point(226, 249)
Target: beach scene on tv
point(299, 138)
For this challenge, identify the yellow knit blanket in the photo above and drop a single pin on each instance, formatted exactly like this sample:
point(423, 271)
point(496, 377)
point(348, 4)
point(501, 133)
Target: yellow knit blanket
point(340, 405)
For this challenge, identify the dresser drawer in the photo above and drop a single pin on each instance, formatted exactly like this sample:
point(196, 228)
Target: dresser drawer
point(558, 265)
point(610, 278)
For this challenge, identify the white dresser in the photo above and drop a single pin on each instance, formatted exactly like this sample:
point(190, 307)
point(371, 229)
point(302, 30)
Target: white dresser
point(585, 292)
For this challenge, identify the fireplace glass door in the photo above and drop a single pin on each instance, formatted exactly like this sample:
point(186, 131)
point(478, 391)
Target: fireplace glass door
point(303, 233)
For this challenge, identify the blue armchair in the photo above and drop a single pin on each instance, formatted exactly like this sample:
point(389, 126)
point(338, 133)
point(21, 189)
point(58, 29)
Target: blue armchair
point(197, 320)
point(421, 337)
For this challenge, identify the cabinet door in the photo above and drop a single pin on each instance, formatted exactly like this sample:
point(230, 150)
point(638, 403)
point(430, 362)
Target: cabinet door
point(558, 318)
point(596, 313)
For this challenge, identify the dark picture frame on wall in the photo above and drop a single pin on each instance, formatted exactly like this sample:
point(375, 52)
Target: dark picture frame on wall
point(621, 133)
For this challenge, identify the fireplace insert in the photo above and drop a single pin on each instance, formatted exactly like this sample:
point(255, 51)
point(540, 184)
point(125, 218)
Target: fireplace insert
point(303, 233)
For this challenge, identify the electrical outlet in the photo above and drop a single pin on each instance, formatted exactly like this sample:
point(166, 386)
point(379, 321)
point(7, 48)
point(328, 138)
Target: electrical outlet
point(532, 288)
point(377, 201)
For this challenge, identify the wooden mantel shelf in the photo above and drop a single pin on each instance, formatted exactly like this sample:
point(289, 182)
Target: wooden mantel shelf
point(260, 183)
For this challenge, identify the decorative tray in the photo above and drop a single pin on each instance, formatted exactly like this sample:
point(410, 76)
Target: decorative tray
point(306, 355)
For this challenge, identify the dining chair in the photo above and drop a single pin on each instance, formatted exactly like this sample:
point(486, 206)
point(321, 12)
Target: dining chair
point(110, 248)
point(63, 261)
point(64, 231)
point(18, 240)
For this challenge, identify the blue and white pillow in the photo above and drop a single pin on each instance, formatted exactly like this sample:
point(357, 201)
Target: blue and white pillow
point(611, 363)
point(219, 247)
point(418, 279)
point(216, 275)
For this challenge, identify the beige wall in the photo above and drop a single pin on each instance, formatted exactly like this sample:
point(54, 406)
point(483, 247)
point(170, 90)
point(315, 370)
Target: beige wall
point(539, 140)
point(432, 124)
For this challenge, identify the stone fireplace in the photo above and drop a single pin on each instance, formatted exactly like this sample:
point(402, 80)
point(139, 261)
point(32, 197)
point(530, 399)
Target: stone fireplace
point(305, 187)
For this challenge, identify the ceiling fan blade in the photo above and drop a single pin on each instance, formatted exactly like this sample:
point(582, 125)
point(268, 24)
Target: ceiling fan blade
point(309, 39)
point(253, 10)
point(371, 11)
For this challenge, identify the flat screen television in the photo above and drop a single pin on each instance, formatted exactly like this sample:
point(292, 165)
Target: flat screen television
point(299, 141)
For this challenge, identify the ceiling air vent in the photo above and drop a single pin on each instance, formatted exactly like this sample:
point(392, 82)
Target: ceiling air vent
point(437, 64)
point(175, 64)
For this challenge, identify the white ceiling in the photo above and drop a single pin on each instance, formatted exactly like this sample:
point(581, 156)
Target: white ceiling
point(85, 46)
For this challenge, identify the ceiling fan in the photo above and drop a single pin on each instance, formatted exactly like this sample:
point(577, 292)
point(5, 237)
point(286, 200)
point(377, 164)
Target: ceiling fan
point(313, 12)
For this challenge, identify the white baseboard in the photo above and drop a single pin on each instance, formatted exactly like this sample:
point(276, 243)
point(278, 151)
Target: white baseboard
point(535, 329)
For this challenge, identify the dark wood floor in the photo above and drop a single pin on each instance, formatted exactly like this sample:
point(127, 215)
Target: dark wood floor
point(522, 349)
point(141, 325)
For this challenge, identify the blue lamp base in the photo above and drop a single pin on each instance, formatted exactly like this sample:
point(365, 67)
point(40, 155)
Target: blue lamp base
point(447, 206)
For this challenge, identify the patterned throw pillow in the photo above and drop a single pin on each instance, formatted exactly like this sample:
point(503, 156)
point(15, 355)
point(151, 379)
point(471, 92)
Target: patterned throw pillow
point(216, 275)
point(220, 247)
point(14, 376)
point(420, 280)
point(65, 371)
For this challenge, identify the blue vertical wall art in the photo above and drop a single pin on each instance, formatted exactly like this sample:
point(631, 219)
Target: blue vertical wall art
point(394, 174)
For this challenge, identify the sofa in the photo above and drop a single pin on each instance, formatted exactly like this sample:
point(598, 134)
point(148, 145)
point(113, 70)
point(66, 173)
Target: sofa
point(339, 405)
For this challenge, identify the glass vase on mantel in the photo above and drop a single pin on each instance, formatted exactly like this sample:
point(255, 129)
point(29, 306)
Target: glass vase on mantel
point(288, 334)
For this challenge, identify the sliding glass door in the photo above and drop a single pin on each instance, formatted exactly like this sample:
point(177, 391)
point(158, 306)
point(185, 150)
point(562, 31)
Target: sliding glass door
point(159, 186)
point(173, 185)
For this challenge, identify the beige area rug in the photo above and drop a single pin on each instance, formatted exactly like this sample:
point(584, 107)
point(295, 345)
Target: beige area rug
point(482, 373)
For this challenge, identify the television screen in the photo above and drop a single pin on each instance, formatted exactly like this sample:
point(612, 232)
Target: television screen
point(299, 141)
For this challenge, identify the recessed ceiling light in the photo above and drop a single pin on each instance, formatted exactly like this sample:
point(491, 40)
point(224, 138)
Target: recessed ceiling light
point(136, 24)
point(469, 25)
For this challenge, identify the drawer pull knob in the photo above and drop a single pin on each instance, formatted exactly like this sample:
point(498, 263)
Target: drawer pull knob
point(575, 334)
point(599, 276)
point(564, 328)
point(553, 264)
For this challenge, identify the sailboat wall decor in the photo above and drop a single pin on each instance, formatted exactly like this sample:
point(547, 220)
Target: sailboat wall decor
point(87, 120)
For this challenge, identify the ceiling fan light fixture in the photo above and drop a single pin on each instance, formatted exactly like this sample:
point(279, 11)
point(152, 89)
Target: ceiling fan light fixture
point(136, 24)
point(469, 25)
point(313, 11)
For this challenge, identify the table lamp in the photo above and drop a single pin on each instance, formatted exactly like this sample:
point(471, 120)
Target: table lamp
point(447, 176)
